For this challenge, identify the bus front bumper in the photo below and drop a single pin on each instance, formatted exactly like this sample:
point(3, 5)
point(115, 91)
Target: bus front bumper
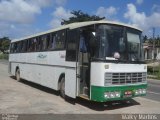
point(113, 93)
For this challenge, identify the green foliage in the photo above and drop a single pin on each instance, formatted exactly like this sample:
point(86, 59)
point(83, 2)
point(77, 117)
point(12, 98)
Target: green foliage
point(79, 16)
point(152, 40)
point(4, 56)
point(145, 38)
point(154, 72)
point(4, 44)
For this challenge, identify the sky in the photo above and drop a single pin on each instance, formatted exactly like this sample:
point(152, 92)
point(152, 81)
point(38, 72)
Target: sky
point(19, 18)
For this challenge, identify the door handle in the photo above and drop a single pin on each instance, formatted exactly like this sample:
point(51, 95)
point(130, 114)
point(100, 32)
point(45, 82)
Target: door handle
point(78, 76)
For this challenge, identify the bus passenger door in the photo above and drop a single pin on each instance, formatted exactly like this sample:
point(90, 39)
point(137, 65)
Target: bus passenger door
point(83, 67)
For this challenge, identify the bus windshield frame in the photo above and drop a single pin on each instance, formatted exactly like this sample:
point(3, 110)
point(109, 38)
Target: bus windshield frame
point(118, 43)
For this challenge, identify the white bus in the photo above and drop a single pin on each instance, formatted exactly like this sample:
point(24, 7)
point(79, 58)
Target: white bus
point(96, 60)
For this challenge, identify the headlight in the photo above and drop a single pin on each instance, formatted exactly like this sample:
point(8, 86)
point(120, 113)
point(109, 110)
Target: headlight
point(136, 92)
point(112, 94)
point(144, 91)
point(106, 95)
point(118, 94)
point(140, 91)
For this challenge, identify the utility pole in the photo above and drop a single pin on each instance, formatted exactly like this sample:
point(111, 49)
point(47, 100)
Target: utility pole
point(154, 52)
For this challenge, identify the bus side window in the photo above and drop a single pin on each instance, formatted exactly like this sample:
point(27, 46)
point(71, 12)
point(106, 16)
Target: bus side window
point(12, 48)
point(29, 46)
point(52, 41)
point(43, 42)
point(15, 47)
point(60, 39)
point(48, 42)
point(38, 44)
point(20, 46)
point(63, 37)
point(24, 46)
point(56, 41)
point(34, 44)
point(71, 46)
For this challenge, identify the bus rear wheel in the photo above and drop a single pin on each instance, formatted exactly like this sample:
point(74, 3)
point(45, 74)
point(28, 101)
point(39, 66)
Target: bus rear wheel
point(62, 88)
point(18, 75)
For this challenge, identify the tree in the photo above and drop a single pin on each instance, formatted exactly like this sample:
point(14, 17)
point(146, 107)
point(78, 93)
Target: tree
point(79, 16)
point(4, 44)
point(145, 38)
point(150, 40)
point(157, 39)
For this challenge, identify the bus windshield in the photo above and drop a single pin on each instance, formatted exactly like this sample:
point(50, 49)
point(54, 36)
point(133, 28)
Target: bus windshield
point(117, 43)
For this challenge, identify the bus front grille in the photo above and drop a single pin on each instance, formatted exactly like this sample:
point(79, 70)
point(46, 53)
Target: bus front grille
point(125, 78)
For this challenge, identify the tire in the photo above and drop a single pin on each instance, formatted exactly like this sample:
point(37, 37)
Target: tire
point(18, 75)
point(62, 88)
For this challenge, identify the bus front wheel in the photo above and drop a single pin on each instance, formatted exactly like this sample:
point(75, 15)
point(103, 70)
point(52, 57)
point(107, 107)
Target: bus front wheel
point(62, 87)
point(18, 75)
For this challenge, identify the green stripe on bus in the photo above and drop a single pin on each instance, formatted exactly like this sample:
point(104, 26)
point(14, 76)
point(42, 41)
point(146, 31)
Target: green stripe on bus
point(97, 92)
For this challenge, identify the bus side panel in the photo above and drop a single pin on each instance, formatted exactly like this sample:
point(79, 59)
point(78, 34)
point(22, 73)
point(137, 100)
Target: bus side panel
point(43, 68)
point(70, 82)
point(44, 75)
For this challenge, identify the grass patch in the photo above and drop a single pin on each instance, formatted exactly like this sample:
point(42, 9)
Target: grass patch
point(154, 72)
point(4, 56)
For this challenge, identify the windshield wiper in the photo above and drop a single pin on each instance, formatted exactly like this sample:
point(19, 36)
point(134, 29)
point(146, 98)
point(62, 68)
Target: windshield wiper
point(101, 59)
point(108, 60)
point(138, 62)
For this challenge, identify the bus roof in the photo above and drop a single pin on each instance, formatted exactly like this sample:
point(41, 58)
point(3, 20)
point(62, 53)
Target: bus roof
point(78, 25)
